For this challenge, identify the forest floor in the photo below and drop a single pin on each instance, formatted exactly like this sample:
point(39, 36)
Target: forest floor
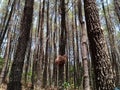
point(4, 87)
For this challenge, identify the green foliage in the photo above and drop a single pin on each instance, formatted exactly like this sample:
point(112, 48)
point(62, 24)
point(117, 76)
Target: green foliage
point(71, 69)
point(66, 85)
point(29, 73)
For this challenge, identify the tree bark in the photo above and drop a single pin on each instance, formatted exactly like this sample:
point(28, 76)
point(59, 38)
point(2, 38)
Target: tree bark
point(46, 50)
point(62, 44)
point(84, 49)
point(5, 67)
point(28, 58)
point(17, 66)
point(54, 77)
point(5, 27)
point(113, 49)
point(117, 8)
point(99, 53)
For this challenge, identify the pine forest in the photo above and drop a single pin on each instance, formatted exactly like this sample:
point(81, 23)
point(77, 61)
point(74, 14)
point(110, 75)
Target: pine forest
point(59, 44)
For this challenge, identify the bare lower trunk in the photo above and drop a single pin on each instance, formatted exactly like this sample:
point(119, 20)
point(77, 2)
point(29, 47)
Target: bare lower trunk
point(18, 62)
point(99, 53)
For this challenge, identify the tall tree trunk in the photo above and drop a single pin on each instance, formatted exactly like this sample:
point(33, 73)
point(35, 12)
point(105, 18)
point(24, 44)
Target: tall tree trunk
point(28, 58)
point(5, 27)
point(74, 58)
point(40, 43)
point(84, 49)
point(54, 44)
point(117, 8)
point(113, 50)
point(34, 64)
point(77, 47)
point(46, 50)
point(17, 66)
point(41, 52)
point(99, 53)
point(67, 49)
point(4, 18)
point(62, 44)
point(74, 55)
point(5, 67)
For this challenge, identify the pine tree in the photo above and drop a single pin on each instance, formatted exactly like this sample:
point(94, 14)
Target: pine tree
point(17, 66)
point(99, 53)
